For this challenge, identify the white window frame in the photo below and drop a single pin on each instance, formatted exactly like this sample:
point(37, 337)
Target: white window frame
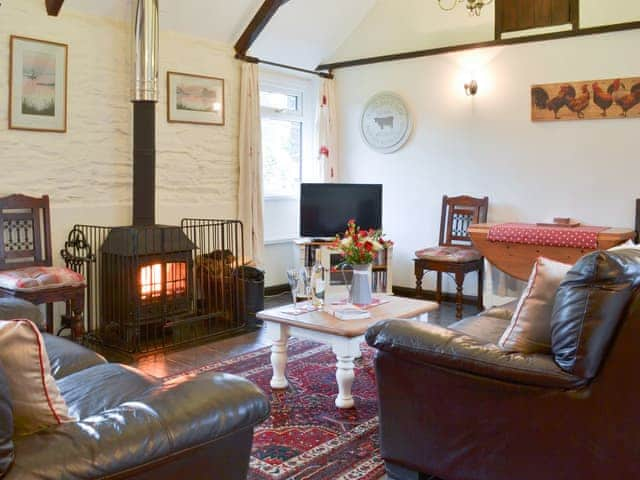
point(304, 90)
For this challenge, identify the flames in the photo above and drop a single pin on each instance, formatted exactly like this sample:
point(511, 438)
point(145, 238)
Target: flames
point(156, 281)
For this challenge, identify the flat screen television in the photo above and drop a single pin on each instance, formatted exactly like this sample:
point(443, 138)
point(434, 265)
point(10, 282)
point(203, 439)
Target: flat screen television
point(325, 208)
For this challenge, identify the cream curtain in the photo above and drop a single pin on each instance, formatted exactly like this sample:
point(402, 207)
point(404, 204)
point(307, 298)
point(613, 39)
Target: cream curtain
point(250, 198)
point(327, 132)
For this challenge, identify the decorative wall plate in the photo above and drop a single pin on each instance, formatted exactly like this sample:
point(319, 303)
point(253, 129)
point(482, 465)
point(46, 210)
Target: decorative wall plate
point(386, 123)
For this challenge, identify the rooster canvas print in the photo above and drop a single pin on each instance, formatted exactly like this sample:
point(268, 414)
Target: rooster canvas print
point(593, 99)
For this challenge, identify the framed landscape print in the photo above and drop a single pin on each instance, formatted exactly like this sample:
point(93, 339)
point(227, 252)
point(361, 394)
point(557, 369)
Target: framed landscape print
point(195, 99)
point(37, 85)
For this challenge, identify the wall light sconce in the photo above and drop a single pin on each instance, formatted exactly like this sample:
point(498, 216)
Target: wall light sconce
point(471, 88)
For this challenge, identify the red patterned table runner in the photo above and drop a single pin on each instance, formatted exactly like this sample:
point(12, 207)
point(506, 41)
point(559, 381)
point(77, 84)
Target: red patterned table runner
point(530, 234)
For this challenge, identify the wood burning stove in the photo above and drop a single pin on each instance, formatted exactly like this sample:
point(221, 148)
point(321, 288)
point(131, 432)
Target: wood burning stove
point(157, 287)
point(147, 275)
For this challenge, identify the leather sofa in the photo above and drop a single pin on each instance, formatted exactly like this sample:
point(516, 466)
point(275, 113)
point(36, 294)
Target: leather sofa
point(136, 426)
point(456, 406)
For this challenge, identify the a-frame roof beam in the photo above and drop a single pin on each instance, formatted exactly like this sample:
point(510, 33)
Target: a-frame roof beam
point(257, 25)
point(53, 7)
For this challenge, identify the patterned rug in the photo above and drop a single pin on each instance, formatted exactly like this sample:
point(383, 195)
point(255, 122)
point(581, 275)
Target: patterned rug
point(307, 437)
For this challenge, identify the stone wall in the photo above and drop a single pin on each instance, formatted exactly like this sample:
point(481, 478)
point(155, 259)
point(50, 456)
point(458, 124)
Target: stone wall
point(88, 171)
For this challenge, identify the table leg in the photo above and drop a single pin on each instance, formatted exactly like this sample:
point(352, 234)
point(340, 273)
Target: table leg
point(346, 351)
point(279, 336)
point(419, 272)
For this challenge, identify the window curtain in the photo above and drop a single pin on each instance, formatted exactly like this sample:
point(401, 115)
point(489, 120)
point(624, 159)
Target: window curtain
point(250, 197)
point(327, 132)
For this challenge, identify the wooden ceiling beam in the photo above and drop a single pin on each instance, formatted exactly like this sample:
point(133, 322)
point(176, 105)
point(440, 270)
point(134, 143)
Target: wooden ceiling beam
point(53, 7)
point(618, 27)
point(257, 25)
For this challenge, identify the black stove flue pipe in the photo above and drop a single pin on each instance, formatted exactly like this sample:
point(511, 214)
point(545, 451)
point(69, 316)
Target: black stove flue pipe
point(144, 163)
point(145, 96)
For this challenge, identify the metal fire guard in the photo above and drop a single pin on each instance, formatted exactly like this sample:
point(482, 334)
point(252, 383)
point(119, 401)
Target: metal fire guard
point(151, 288)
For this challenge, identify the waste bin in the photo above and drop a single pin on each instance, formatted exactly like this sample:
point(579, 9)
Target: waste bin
point(252, 279)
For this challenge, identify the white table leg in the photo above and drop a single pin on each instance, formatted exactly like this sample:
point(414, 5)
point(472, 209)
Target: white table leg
point(279, 336)
point(346, 351)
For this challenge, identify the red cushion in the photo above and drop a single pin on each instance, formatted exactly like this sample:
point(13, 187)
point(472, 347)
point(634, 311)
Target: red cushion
point(449, 254)
point(40, 278)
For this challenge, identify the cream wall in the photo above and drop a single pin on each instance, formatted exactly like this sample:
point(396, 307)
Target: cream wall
point(487, 145)
point(394, 26)
point(87, 171)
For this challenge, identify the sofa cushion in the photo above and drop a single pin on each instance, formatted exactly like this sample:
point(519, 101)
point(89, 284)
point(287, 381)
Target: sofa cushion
point(12, 308)
point(37, 402)
point(589, 306)
point(6, 425)
point(449, 254)
point(68, 357)
point(530, 327)
point(484, 328)
point(116, 383)
point(487, 326)
point(40, 278)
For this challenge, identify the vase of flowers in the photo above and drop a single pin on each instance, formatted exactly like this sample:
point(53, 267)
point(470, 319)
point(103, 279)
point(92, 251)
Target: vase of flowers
point(359, 248)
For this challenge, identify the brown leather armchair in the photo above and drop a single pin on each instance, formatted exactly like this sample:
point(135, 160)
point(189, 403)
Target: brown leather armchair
point(454, 405)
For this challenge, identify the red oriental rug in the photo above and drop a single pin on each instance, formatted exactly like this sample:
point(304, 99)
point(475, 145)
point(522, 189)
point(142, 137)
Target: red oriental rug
point(307, 437)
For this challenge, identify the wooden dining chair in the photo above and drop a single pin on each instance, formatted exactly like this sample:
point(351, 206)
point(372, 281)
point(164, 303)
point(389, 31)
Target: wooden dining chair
point(26, 268)
point(454, 254)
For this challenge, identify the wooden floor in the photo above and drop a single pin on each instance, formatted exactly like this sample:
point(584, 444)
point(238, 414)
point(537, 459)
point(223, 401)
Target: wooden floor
point(165, 364)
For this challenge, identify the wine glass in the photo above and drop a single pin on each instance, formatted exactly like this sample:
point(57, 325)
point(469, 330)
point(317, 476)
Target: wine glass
point(293, 277)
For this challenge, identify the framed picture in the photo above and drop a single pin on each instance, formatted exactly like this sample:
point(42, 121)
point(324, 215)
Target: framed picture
point(586, 100)
point(195, 99)
point(37, 85)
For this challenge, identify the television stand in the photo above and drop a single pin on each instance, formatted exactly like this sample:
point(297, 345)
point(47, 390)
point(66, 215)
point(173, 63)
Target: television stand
point(330, 258)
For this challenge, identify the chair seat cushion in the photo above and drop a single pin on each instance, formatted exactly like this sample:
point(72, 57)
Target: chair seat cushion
point(449, 254)
point(40, 278)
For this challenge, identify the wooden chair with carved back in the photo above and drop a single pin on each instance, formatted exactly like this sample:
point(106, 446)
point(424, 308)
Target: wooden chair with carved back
point(26, 267)
point(455, 254)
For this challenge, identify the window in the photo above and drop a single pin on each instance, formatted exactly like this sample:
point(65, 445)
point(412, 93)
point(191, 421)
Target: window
point(287, 106)
point(282, 138)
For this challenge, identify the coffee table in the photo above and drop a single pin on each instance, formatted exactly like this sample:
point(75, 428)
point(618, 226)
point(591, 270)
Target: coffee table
point(344, 336)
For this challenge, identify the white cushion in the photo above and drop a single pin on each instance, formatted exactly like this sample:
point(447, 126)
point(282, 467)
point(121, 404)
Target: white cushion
point(530, 328)
point(37, 402)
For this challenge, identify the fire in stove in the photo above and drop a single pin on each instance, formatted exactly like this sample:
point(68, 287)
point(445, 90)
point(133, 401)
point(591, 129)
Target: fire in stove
point(156, 281)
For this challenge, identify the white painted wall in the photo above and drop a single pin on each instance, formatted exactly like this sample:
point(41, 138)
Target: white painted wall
point(394, 26)
point(487, 145)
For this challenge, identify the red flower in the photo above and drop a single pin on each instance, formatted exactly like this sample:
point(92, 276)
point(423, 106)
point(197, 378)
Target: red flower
point(363, 233)
point(368, 246)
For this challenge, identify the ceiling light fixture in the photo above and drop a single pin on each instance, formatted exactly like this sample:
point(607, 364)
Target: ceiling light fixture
point(474, 7)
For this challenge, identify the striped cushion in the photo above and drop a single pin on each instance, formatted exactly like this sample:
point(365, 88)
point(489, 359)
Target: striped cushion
point(37, 402)
point(40, 278)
